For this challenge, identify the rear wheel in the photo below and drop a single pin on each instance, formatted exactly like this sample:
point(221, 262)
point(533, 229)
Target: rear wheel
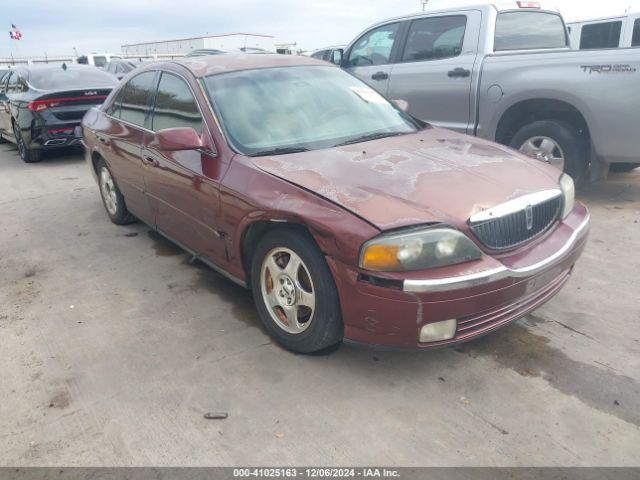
point(112, 198)
point(557, 143)
point(294, 292)
point(28, 155)
point(623, 167)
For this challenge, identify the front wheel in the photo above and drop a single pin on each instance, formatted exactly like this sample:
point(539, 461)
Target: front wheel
point(294, 292)
point(557, 143)
point(27, 154)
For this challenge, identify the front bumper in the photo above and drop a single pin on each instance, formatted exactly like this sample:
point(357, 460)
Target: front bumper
point(491, 295)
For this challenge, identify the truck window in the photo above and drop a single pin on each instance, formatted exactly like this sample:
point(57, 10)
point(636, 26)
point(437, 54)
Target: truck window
point(374, 47)
point(527, 30)
point(600, 35)
point(99, 61)
point(635, 41)
point(434, 38)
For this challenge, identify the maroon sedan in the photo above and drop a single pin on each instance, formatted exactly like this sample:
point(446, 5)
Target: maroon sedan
point(346, 217)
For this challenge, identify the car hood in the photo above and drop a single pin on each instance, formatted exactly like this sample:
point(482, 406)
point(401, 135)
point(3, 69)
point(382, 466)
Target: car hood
point(434, 175)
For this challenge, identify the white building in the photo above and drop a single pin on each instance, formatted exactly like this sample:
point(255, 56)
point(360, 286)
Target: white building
point(229, 42)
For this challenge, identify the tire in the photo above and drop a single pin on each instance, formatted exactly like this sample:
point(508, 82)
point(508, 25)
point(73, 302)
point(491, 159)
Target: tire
point(313, 329)
point(28, 155)
point(112, 198)
point(623, 167)
point(572, 147)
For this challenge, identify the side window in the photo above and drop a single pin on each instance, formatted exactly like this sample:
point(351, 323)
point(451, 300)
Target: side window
point(374, 47)
point(434, 38)
point(319, 55)
point(601, 35)
point(136, 98)
point(635, 41)
point(114, 108)
point(175, 105)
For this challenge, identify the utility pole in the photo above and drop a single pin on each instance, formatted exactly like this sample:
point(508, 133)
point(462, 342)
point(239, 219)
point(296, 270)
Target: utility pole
point(424, 4)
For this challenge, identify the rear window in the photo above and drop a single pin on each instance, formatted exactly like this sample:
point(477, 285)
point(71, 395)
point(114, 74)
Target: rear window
point(59, 79)
point(527, 30)
point(601, 35)
point(635, 41)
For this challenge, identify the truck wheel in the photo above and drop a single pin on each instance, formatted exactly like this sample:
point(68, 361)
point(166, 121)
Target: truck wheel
point(27, 155)
point(112, 199)
point(557, 143)
point(294, 292)
point(623, 167)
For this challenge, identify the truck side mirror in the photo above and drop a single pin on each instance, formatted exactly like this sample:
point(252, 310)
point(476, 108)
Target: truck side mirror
point(336, 56)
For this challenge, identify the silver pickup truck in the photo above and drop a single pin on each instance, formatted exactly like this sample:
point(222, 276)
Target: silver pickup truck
point(508, 75)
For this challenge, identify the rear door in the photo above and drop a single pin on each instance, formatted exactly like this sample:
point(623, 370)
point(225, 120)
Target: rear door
point(435, 68)
point(183, 186)
point(370, 57)
point(123, 140)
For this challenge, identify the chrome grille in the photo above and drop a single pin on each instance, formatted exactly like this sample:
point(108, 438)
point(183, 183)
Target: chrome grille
point(518, 221)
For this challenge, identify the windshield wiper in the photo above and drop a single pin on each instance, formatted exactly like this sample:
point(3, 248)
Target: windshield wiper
point(279, 151)
point(369, 136)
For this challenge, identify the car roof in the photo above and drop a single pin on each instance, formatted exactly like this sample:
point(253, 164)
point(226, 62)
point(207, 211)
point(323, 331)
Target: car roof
point(211, 65)
point(50, 68)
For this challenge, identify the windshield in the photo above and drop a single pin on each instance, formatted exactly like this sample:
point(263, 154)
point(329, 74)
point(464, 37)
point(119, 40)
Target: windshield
point(275, 110)
point(60, 79)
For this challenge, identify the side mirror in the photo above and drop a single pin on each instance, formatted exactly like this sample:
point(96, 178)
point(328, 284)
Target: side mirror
point(401, 104)
point(176, 139)
point(336, 56)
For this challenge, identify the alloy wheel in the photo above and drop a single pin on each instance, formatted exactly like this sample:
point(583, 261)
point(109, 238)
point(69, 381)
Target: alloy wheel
point(545, 149)
point(288, 290)
point(108, 191)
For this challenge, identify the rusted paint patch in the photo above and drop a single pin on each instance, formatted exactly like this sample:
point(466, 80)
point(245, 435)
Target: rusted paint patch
point(433, 175)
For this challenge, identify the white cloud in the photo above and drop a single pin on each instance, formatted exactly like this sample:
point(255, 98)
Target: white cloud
point(91, 25)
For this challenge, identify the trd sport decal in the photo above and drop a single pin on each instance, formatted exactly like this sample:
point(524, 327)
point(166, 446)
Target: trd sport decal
point(607, 69)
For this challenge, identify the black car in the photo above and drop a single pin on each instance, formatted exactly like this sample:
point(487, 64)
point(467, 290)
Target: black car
point(120, 68)
point(41, 106)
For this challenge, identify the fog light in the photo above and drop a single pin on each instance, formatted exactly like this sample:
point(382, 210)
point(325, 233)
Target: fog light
point(434, 332)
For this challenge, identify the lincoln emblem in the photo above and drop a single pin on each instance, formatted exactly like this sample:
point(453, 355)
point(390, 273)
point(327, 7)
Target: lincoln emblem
point(528, 215)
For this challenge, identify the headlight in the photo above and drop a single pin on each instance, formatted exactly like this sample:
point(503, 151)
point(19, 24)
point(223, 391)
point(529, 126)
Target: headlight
point(417, 250)
point(569, 194)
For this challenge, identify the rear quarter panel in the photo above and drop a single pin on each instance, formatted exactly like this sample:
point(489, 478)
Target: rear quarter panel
point(604, 85)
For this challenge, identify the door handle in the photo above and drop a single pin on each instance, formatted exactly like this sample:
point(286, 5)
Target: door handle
point(380, 76)
point(152, 162)
point(459, 73)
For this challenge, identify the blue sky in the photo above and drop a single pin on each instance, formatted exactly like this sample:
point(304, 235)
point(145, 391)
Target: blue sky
point(99, 26)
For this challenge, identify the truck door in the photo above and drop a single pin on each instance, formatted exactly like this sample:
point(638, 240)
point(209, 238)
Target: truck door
point(369, 58)
point(435, 68)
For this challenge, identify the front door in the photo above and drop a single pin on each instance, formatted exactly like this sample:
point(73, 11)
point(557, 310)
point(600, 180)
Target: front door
point(5, 104)
point(183, 186)
point(369, 58)
point(435, 68)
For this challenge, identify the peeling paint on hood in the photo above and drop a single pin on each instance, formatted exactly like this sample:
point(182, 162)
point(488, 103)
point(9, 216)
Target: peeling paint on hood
point(434, 175)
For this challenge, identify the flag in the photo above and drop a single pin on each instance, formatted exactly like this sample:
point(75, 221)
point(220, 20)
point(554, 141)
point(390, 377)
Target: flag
point(15, 33)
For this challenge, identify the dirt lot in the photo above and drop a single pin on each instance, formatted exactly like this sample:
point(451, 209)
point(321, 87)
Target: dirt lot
point(113, 347)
